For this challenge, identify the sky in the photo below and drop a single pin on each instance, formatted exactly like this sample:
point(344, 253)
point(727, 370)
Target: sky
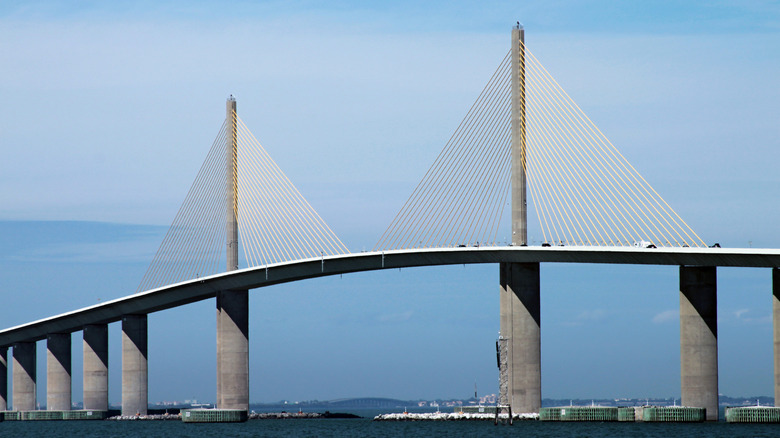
point(110, 108)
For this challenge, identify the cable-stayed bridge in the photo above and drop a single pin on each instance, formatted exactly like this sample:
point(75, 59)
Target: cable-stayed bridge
point(244, 225)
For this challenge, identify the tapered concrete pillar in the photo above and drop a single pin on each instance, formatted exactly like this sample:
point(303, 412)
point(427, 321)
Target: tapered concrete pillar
point(96, 367)
point(231, 166)
point(3, 378)
point(58, 368)
point(24, 376)
point(521, 325)
point(776, 324)
point(699, 338)
point(135, 380)
point(518, 140)
point(233, 349)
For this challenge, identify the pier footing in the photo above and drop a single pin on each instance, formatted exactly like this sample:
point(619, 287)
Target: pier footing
point(214, 415)
point(53, 415)
point(753, 414)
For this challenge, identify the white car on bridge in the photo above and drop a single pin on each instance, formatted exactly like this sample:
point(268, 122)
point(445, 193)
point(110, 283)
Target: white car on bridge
point(643, 244)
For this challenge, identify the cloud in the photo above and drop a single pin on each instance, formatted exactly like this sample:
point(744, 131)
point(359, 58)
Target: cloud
point(111, 252)
point(742, 316)
point(586, 316)
point(592, 315)
point(666, 316)
point(396, 317)
point(77, 242)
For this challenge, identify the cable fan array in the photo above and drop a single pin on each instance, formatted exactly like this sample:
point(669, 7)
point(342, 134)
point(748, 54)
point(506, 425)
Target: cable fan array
point(275, 222)
point(461, 198)
point(193, 246)
point(584, 192)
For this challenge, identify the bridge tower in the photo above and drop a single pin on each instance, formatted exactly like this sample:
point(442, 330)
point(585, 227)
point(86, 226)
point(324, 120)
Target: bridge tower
point(232, 305)
point(519, 282)
point(519, 206)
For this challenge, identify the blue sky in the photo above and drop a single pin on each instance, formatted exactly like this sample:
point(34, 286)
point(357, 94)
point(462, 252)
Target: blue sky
point(110, 109)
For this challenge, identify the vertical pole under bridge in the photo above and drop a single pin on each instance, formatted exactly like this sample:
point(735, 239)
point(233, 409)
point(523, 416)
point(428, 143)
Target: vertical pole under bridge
point(699, 338)
point(24, 375)
point(135, 364)
point(775, 331)
point(58, 371)
point(95, 367)
point(520, 283)
point(232, 305)
point(3, 378)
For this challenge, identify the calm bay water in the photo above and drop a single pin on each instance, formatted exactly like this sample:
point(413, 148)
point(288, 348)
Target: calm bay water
point(367, 428)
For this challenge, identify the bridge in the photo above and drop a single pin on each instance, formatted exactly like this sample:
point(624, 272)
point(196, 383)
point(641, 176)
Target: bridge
point(198, 289)
point(523, 136)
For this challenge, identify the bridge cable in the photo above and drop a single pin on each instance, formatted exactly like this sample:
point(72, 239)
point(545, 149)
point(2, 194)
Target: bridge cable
point(279, 213)
point(448, 179)
point(408, 218)
point(583, 190)
point(173, 260)
point(620, 172)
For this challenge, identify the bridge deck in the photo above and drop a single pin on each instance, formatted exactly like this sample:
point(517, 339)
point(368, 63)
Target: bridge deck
point(257, 277)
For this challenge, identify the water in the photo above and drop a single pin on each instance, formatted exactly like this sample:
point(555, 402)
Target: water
point(366, 428)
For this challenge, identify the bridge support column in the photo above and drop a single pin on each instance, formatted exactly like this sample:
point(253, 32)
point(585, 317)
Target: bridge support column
point(135, 380)
point(233, 349)
point(96, 367)
point(520, 325)
point(58, 368)
point(776, 324)
point(3, 378)
point(699, 338)
point(24, 376)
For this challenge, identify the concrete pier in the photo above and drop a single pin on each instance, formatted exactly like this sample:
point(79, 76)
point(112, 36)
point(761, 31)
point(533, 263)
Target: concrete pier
point(776, 329)
point(58, 372)
point(135, 380)
point(96, 367)
point(24, 376)
point(3, 378)
point(233, 349)
point(699, 338)
point(521, 325)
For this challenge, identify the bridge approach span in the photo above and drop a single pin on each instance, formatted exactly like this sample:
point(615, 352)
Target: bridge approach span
point(251, 278)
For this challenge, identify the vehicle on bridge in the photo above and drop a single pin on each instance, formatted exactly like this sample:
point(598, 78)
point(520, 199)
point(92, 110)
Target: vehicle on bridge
point(644, 244)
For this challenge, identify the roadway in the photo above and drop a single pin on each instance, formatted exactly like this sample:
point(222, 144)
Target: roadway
point(257, 277)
